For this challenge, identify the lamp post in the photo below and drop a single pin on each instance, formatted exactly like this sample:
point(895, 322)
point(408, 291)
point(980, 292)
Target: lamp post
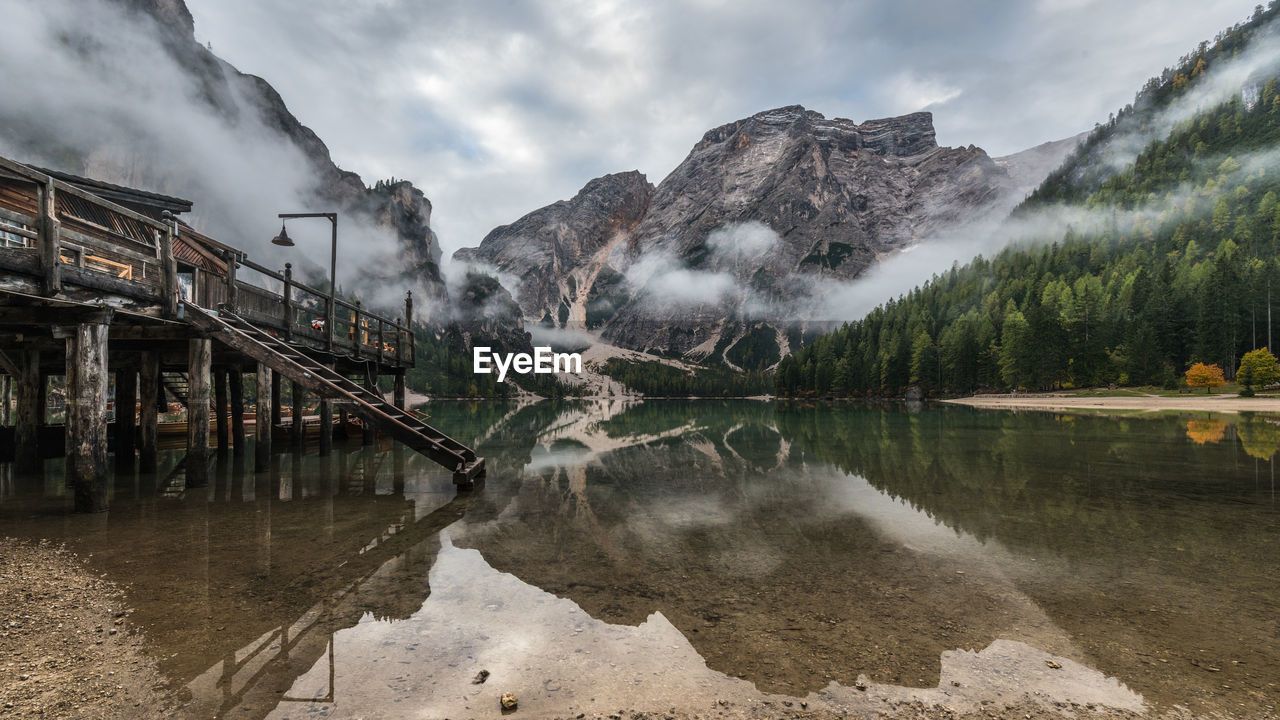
point(284, 240)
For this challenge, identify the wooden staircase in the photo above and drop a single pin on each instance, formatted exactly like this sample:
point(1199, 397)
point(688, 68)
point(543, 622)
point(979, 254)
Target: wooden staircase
point(177, 385)
point(239, 334)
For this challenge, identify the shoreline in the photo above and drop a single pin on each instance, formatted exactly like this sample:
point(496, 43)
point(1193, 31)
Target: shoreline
point(1225, 403)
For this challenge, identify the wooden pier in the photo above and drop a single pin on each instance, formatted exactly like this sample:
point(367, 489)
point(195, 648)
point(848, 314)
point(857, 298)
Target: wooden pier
point(106, 292)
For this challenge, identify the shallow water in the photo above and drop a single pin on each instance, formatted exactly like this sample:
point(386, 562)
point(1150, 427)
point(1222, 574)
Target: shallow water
point(666, 554)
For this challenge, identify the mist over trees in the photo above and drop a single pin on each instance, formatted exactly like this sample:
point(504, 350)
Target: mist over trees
point(1177, 266)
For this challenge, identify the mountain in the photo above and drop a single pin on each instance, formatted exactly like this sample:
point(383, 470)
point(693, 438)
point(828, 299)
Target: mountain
point(1155, 246)
point(559, 252)
point(125, 94)
point(729, 247)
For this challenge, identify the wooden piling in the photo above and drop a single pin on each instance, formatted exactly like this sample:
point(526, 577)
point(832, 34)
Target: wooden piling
point(297, 430)
point(30, 412)
point(326, 427)
point(220, 409)
point(6, 396)
point(277, 400)
point(126, 414)
point(148, 400)
point(262, 427)
point(87, 416)
point(235, 381)
point(399, 390)
point(199, 356)
point(368, 433)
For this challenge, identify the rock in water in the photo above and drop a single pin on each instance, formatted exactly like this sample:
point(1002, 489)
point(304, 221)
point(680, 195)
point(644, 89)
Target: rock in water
point(508, 701)
point(480, 677)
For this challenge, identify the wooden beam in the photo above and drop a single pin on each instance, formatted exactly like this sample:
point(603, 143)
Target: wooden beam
point(148, 398)
point(87, 417)
point(169, 296)
point(8, 365)
point(262, 426)
point(12, 315)
point(50, 231)
point(199, 354)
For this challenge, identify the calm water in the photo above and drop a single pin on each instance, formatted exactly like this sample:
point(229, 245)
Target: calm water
point(666, 554)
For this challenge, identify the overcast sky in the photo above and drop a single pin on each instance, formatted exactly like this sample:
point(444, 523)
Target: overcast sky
point(496, 108)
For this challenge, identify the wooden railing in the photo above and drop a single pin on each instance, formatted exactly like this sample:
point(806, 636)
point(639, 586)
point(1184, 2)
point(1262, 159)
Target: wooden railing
point(61, 233)
point(296, 308)
point(71, 234)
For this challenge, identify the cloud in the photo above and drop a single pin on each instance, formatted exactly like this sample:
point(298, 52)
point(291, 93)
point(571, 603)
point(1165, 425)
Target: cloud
point(497, 108)
point(742, 241)
point(907, 92)
point(668, 284)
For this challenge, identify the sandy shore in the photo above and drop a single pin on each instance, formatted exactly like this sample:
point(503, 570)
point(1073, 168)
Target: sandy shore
point(67, 649)
point(1225, 403)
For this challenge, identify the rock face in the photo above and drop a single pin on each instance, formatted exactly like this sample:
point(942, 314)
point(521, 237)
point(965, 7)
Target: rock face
point(563, 248)
point(728, 247)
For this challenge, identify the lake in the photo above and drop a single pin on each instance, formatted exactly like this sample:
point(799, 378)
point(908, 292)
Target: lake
point(665, 555)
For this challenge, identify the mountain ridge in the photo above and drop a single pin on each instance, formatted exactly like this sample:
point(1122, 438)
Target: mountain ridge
point(818, 199)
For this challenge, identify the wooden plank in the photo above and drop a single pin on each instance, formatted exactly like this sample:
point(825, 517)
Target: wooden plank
point(113, 248)
point(87, 417)
point(29, 173)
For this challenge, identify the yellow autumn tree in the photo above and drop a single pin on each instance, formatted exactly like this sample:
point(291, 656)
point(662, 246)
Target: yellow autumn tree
point(1205, 376)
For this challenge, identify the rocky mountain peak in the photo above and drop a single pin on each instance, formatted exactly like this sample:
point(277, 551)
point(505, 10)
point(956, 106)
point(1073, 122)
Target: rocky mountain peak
point(759, 210)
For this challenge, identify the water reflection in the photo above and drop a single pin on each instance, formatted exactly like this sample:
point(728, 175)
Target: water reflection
point(641, 553)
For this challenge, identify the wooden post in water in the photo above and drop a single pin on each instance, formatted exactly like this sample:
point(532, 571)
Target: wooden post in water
point(220, 408)
point(126, 414)
point(26, 430)
point(199, 356)
point(398, 393)
point(277, 400)
point(148, 396)
point(326, 427)
point(236, 382)
point(368, 434)
point(6, 396)
point(297, 432)
point(262, 426)
point(87, 416)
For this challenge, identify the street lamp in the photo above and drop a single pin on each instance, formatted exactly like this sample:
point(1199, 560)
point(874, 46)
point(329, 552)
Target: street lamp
point(284, 240)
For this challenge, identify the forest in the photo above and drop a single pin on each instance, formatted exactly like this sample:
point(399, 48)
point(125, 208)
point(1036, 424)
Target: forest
point(1169, 260)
